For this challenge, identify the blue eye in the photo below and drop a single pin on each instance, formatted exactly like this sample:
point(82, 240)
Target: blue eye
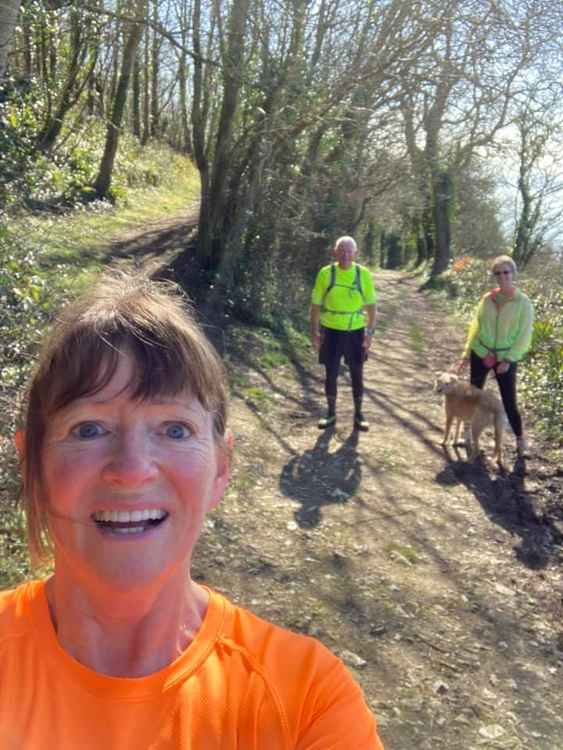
point(177, 431)
point(88, 430)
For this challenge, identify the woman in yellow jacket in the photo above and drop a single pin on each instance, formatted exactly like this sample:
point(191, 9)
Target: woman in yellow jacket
point(499, 336)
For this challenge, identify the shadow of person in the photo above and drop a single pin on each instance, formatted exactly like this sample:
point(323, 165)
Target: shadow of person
point(319, 477)
point(507, 503)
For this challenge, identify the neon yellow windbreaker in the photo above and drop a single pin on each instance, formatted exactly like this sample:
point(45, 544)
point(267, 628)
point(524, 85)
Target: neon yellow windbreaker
point(343, 307)
point(503, 328)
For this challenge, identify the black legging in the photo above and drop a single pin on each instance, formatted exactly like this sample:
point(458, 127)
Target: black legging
point(356, 375)
point(507, 387)
point(348, 345)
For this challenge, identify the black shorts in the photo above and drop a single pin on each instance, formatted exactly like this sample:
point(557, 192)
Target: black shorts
point(338, 344)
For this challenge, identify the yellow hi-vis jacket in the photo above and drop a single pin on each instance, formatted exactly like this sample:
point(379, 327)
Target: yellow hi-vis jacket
point(501, 326)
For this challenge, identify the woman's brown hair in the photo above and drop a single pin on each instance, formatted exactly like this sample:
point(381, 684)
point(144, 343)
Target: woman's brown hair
point(152, 322)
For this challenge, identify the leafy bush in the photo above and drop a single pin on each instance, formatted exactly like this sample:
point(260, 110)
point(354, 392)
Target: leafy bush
point(25, 307)
point(19, 124)
point(543, 379)
point(64, 176)
point(24, 310)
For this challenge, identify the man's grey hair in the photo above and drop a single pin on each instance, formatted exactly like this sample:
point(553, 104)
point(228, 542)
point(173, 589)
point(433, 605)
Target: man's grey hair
point(345, 239)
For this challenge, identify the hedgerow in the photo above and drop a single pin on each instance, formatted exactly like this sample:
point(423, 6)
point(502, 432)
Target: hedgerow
point(26, 303)
point(64, 176)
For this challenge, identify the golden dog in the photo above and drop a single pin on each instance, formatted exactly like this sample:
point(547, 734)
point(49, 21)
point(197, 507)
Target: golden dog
point(474, 407)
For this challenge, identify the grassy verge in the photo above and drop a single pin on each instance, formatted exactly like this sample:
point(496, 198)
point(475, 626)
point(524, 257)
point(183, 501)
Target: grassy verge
point(75, 245)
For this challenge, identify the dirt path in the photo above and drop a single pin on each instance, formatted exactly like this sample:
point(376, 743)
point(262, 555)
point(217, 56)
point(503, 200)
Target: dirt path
point(436, 580)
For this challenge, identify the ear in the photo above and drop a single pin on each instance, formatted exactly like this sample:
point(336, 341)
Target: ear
point(223, 469)
point(19, 440)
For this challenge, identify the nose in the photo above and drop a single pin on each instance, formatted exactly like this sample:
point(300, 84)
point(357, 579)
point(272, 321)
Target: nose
point(131, 463)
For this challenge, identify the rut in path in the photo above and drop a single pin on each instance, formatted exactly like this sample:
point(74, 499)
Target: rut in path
point(440, 577)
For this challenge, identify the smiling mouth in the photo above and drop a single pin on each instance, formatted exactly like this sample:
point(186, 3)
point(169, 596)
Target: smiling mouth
point(129, 522)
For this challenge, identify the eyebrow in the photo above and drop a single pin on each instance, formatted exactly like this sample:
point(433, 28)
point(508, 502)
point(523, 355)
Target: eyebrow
point(94, 400)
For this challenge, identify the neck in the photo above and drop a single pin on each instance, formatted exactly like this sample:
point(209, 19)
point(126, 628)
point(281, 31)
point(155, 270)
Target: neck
point(130, 634)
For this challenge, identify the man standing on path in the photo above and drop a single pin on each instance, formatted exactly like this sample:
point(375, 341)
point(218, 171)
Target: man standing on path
point(342, 295)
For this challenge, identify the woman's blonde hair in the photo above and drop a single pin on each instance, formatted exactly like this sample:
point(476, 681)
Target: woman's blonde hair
point(503, 260)
point(153, 322)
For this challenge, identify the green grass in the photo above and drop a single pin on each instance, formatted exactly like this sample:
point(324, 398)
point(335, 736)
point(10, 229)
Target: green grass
point(416, 338)
point(237, 380)
point(74, 246)
point(386, 315)
point(405, 550)
point(257, 397)
point(272, 359)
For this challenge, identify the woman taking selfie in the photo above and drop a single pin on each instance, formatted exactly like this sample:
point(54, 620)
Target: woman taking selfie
point(124, 449)
point(499, 336)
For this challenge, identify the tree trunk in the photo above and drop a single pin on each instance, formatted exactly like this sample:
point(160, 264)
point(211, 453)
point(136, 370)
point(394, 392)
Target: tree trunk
point(428, 228)
point(418, 231)
point(154, 82)
point(529, 231)
point(186, 136)
point(528, 235)
point(369, 243)
point(9, 10)
point(72, 87)
point(103, 180)
point(27, 46)
point(53, 57)
point(146, 86)
point(442, 184)
point(136, 96)
point(41, 59)
point(212, 245)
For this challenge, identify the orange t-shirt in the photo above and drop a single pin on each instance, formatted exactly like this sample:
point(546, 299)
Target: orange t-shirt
point(242, 684)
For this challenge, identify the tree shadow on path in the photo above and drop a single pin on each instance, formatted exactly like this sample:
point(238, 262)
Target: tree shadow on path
point(317, 477)
point(508, 504)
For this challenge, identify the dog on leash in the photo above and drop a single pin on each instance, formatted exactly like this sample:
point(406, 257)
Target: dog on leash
point(477, 409)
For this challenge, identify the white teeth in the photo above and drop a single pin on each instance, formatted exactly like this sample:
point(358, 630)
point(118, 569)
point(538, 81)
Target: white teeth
point(129, 530)
point(124, 516)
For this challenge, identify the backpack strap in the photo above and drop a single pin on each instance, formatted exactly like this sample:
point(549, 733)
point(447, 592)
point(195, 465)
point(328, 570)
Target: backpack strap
point(331, 283)
point(358, 281)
